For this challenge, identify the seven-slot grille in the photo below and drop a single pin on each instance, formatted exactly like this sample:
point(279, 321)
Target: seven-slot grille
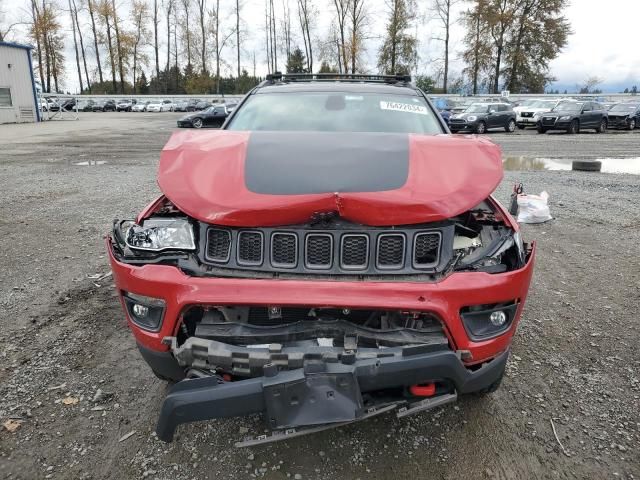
point(527, 114)
point(330, 251)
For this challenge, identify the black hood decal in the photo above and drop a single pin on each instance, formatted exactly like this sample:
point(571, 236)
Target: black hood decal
point(298, 163)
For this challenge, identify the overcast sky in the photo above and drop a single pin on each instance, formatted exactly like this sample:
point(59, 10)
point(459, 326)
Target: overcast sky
point(591, 50)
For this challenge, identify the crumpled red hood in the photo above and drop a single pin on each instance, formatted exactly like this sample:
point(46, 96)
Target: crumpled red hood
point(276, 178)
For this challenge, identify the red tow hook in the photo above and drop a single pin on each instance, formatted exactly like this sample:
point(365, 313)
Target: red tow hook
point(425, 390)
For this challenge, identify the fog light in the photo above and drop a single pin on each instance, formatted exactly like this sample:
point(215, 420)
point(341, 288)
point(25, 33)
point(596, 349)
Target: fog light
point(140, 311)
point(145, 312)
point(498, 318)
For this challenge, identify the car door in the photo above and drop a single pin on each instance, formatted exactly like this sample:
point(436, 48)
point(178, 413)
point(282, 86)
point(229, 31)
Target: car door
point(505, 114)
point(586, 117)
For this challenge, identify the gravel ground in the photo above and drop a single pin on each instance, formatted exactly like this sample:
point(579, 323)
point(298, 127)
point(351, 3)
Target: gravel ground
point(82, 404)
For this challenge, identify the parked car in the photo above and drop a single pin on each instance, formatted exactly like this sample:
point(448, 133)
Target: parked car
point(444, 107)
point(527, 115)
point(193, 103)
point(573, 117)
point(159, 106)
point(462, 104)
point(214, 116)
point(168, 105)
point(481, 117)
point(125, 105)
point(104, 106)
point(140, 106)
point(624, 115)
point(201, 105)
point(85, 105)
point(323, 264)
point(180, 106)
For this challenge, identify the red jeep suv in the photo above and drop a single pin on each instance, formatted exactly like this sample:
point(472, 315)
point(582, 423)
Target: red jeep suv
point(330, 254)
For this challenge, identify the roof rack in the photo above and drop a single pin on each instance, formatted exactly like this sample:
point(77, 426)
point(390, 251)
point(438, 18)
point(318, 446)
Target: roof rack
point(279, 77)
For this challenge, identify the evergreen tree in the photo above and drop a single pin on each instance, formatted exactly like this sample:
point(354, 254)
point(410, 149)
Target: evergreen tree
point(296, 62)
point(398, 53)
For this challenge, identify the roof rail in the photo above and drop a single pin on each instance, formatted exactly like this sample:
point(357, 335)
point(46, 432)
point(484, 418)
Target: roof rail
point(279, 77)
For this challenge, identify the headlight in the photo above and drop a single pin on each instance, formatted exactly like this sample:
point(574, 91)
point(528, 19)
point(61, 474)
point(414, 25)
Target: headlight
point(157, 234)
point(566, 117)
point(472, 118)
point(537, 115)
point(517, 238)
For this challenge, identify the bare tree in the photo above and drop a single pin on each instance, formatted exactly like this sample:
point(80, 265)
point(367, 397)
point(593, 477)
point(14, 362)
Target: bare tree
point(169, 6)
point(139, 13)
point(306, 11)
point(342, 11)
point(186, 27)
point(91, 7)
point(442, 10)
point(75, 46)
point(398, 50)
point(238, 46)
point(286, 28)
point(358, 19)
point(119, 49)
point(82, 50)
point(202, 12)
point(156, 23)
point(106, 17)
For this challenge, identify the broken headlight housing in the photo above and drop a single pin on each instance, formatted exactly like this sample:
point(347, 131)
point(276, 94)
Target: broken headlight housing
point(156, 234)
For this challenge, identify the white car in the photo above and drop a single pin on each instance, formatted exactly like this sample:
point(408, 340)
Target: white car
point(141, 106)
point(160, 106)
point(528, 113)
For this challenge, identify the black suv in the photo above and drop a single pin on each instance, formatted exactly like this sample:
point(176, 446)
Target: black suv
point(575, 116)
point(624, 115)
point(480, 117)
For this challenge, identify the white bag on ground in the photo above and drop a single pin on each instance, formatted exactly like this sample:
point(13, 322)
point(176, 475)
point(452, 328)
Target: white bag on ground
point(533, 208)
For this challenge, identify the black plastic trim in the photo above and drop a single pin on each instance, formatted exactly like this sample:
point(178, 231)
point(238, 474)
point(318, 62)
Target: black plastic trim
point(205, 398)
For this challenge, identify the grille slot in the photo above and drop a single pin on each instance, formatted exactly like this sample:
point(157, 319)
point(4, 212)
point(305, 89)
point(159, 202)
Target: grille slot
point(391, 247)
point(318, 251)
point(426, 249)
point(284, 250)
point(218, 245)
point(250, 248)
point(354, 252)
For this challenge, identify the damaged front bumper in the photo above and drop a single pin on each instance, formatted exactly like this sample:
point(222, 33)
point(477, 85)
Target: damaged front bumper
point(324, 393)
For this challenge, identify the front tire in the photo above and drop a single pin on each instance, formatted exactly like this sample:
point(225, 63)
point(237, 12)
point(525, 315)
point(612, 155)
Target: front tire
point(603, 126)
point(511, 126)
point(196, 122)
point(481, 128)
point(632, 124)
point(541, 129)
point(574, 127)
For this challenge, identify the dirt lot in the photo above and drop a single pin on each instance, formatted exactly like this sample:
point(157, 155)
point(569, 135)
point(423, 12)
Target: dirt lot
point(74, 387)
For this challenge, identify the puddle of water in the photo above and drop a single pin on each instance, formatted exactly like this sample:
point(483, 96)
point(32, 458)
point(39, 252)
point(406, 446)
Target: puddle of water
point(89, 163)
point(609, 165)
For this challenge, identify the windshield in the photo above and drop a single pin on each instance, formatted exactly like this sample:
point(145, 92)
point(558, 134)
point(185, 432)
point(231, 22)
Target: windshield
point(477, 108)
point(568, 107)
point(336, 112)
point(624, 107)
point(528, 103)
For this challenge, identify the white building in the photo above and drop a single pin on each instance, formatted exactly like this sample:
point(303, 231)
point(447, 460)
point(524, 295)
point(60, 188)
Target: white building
point(18, 98)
